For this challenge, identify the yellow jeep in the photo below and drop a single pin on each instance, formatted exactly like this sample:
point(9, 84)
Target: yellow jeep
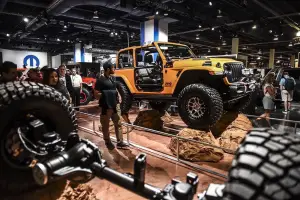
point(164, 72)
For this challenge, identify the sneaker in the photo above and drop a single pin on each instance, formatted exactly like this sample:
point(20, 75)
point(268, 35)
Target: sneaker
point(285, 112)
point(122, 145)
point(110, 145)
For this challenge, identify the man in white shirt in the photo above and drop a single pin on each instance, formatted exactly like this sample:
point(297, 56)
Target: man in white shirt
point(77, 85)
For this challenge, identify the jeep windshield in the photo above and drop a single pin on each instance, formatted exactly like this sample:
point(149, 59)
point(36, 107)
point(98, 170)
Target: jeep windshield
point(174, 51)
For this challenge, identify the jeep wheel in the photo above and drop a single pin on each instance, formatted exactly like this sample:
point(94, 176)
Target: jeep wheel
point(200, 106)
point(85, 97)
point(266, 166)
point(20, 101)
point(126, 98)
point(159, 106)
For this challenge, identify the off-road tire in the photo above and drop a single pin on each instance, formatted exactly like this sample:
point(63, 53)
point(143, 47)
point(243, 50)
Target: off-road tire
point(211, 99)
point(22, 97)
point(159, 106)
point(88, 97)
point(266, 167)
point(126, 98)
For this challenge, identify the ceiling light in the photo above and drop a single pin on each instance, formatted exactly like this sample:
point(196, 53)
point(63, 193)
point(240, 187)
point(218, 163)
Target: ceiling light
point(25, 19)
point(96, 15)
point(166, 14)
point(116, 33)
point(197, 38)
point(210, 3)
point(212, 28)
point(200, 26)
point(65, 26)
point(278, 61)
point(218, 48)
point(244, 48)
point(208, 51)
point(58, 39)
point(7, 34)
point(258, 58)
point(254, 26)
point(157, 13)
point(290, 45)
point(275, 38)
point(298, 34)
point(68, 41)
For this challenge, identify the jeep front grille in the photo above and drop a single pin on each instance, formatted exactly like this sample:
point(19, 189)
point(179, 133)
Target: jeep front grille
point(234, 71)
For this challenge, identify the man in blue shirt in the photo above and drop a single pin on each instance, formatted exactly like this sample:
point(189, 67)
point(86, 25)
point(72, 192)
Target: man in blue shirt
point(287, 85)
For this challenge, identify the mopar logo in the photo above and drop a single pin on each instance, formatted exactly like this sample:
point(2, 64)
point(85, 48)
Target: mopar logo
point(33, 61)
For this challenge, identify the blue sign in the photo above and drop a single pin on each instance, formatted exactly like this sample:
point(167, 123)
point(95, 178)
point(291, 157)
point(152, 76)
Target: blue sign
point(31, 58)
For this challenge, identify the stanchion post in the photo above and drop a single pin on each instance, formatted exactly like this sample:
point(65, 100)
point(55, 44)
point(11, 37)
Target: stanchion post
point(94, 128)
point(177, 148)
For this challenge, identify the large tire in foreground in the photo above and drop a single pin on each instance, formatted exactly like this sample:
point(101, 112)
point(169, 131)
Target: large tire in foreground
point(159, 106)
point(266, 167)
point(200, 106)
point(85, 96)
point(17, 101)
point(126, 98)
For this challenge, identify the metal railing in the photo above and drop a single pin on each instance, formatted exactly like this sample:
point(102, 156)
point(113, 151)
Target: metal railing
point(156, 152)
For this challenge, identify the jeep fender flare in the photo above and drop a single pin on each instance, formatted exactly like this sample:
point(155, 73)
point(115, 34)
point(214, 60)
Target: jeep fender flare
point(124, 80)
point(191, 76)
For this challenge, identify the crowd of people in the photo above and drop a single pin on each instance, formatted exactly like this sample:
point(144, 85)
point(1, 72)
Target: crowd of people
point(286, 85)
point(69, 84)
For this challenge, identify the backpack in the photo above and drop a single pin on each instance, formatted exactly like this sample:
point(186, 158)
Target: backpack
point(289, 84)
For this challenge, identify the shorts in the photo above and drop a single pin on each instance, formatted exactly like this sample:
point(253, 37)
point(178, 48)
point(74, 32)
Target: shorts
point(268, 103)
point(287, 95)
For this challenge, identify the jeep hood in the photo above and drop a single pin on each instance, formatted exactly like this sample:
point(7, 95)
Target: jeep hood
point(198, 62)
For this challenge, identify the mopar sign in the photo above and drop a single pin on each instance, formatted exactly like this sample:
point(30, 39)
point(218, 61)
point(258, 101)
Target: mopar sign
point(31, 61)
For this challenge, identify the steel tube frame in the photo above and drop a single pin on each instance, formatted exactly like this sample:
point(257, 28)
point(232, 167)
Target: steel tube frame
point(155, 152)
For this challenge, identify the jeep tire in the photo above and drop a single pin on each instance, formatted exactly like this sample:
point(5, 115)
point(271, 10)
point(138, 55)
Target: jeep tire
point(126, 98)
point(200, 106)
point(85, 96)
point(266, 166)
point(17, 100)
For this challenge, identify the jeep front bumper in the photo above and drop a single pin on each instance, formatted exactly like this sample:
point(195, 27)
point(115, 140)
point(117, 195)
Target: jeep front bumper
point(239, 90)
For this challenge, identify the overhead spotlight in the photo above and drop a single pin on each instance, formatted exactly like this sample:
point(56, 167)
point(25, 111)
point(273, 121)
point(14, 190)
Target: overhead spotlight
point(95, 16)
point(208, 51)
point(290, 45)
point(166, 14)
point(157, 13)
point(116, 33)
point(111, 34)
point(58, 39)
point(244, 48)
point(224, 43)
point(270, 31)
point(276, 38)
point(200, 26)
point(65, 26)
point(7, 34)
point(254, 26)
point(278, 61)
point(219, 14)
point(212, 28)
point(258, 58)
point(68, 41)
point(218, 48)
point(298, 34)
point(25, 19)
point(197, 38)
point(210, 3)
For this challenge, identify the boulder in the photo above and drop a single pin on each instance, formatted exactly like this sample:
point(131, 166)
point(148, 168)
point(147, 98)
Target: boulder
point(231, 130)
point(193, 151)
point(167, 119)
point(231, 120)
point(231, 139)
point(149, 119)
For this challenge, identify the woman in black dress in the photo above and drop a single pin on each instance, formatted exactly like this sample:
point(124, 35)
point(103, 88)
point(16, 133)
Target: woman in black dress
point(51, 78)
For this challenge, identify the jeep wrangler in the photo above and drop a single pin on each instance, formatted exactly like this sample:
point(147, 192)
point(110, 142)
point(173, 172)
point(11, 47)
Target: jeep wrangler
point(164, 72)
